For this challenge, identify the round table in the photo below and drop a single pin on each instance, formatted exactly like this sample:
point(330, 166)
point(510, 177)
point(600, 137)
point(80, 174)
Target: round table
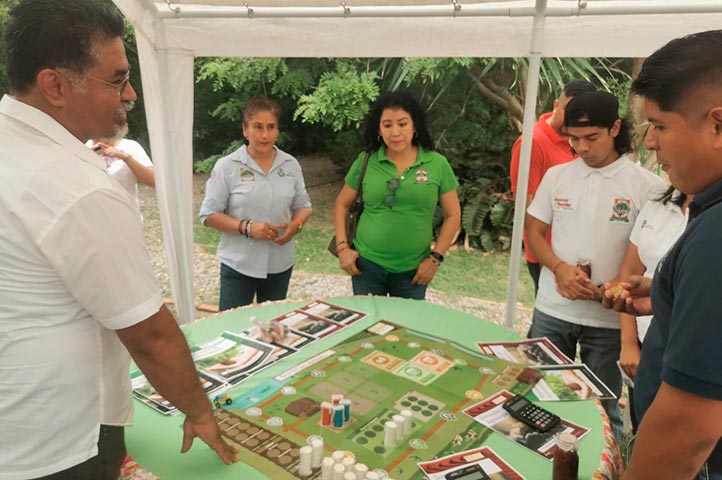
point(154, 441)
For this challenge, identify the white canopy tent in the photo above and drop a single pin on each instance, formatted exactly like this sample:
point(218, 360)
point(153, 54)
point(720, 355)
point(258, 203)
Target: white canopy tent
point(171, 34)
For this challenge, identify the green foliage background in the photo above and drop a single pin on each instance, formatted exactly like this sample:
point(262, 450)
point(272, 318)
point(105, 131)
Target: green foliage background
point(473, 105)
point(5, 7)
point(474, 108)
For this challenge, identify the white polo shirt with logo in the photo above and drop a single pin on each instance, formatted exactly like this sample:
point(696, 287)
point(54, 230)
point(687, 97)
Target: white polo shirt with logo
point(592, 211)
point(657, 228)
point(73, 269)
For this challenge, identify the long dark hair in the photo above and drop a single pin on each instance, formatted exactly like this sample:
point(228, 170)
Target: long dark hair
point(623, 140)
point(669, 196)
point(396, 100)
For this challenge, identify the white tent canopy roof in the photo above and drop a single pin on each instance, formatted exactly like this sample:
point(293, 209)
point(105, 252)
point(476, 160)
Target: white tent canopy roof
point(374, 28)
point(171, 33)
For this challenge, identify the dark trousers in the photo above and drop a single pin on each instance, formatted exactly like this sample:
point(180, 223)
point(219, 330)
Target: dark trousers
point(238, 289)
point(599, 349)
point(632, 409)
point(376, 280)
point(534, 272)
point(708, 473)
point(105, 465)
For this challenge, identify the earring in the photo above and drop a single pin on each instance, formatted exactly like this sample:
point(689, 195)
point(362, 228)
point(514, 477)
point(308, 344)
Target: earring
point(378, 137)
point(416, 134)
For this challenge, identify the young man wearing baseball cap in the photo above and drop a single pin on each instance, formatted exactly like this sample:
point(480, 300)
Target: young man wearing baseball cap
point(592, 203)
point(549, 148)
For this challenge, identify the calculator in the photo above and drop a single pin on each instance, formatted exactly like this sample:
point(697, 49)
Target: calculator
point(530, 414)
point(472, 472)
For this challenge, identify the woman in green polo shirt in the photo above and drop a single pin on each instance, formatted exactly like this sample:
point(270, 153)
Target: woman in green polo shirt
point(403, 183)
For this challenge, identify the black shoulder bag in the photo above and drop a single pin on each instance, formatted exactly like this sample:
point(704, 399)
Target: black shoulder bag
point(354, 212)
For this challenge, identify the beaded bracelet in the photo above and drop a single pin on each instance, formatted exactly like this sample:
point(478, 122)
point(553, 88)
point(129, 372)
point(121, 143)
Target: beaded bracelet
point(557, 265)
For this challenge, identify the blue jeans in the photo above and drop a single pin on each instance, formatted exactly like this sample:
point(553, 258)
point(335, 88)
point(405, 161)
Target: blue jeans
point(599, 350)
point(376, 280)
point(238, 289)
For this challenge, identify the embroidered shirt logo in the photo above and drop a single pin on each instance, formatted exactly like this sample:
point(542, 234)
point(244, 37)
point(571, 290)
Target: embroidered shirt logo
point(422, 175)
point(562, 203)
point(621, 210)
point(247, 175)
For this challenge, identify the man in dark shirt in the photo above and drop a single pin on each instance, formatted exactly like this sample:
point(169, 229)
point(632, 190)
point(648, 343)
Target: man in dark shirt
point(678, 388)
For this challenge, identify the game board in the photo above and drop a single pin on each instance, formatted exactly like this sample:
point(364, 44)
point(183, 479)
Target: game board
point(382, 370)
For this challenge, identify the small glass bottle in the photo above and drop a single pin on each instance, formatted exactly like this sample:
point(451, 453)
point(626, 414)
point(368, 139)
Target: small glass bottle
point(566, 458)
point(585, 264)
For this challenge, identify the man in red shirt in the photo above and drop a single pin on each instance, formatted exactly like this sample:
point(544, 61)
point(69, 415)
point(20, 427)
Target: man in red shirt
point(549, 148)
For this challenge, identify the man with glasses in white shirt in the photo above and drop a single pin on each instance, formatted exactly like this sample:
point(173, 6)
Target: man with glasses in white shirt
point(73, 309)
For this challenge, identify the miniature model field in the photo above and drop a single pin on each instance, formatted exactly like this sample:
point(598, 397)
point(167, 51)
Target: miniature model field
point(381, 373)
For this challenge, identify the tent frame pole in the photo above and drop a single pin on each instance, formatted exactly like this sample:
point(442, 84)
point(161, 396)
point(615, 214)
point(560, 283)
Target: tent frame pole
point(184, 296)
point(532, 89)
point(496, 9)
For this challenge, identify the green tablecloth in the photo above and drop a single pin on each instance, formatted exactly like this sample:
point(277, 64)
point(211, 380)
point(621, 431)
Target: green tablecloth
point(154, 440)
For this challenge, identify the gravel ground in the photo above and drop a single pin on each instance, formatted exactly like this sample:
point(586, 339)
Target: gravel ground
point(303, 285)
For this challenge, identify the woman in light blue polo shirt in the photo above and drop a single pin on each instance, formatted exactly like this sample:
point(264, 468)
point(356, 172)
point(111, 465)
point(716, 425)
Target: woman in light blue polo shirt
point(257, 198)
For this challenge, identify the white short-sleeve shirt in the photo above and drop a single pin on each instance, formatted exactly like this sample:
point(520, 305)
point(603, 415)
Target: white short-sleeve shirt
point(592, 211)
point(73, 269)
point(240, 188)
point(657, 228)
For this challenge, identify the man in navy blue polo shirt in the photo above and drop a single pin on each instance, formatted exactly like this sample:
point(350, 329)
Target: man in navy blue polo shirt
point(678, 388)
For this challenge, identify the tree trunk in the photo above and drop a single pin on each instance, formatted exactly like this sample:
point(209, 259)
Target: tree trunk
point(500, 96)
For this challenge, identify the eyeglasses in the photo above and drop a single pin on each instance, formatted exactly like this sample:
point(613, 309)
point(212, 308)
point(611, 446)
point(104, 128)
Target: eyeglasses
point(120, 84)
point(393, 185)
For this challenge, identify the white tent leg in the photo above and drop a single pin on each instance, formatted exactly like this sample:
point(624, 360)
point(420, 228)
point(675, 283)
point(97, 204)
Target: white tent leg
point(532, 87)
point(171, 136)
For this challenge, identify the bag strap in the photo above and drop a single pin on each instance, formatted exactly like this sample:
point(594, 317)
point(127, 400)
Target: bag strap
point(360, 194)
